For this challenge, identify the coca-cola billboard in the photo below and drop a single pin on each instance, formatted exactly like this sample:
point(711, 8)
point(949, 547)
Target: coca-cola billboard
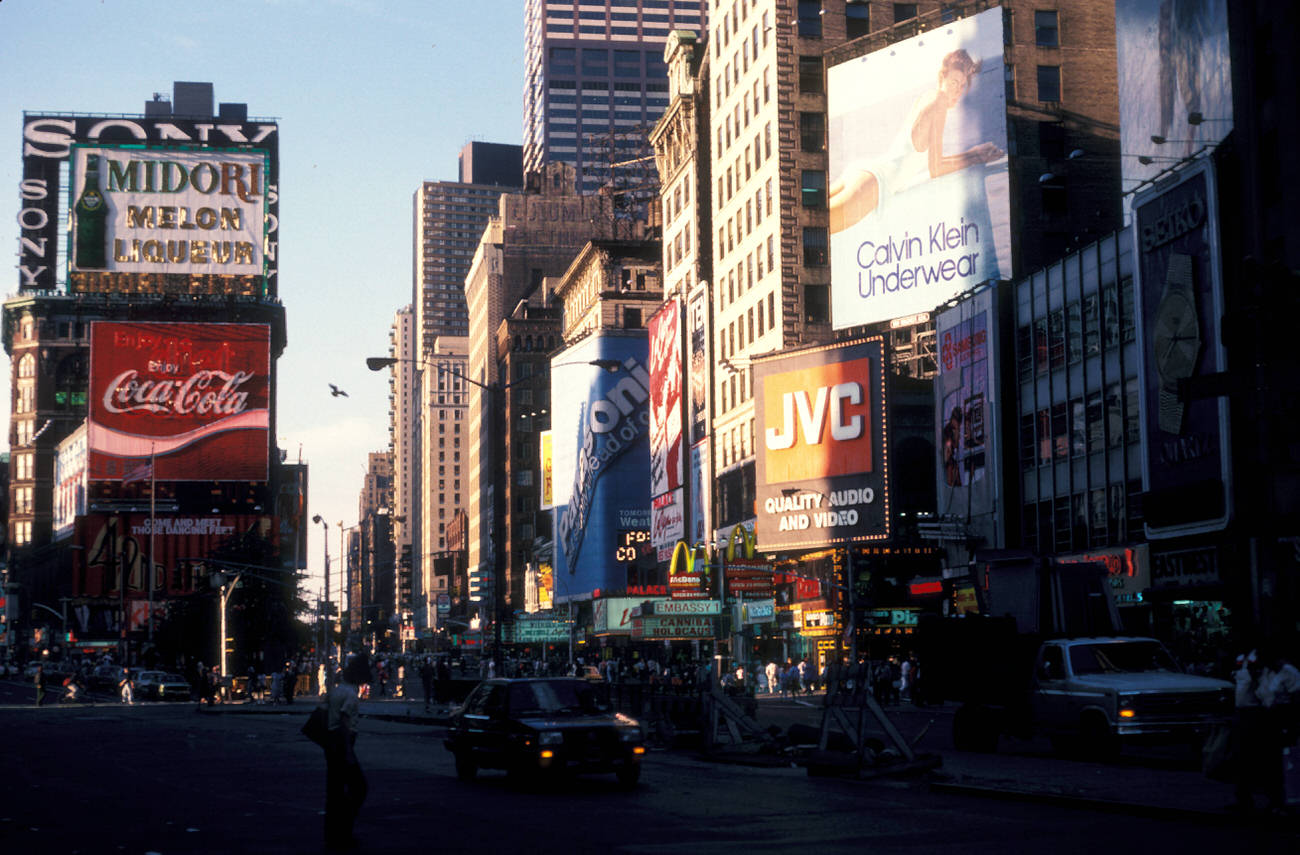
point(193, 398)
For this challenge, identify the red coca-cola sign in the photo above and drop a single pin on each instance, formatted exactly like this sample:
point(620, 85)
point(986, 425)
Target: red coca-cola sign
point(194, 398)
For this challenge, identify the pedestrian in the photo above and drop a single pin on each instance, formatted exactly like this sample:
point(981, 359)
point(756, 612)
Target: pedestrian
point(124, 686)
point(254, 688)
point(345, 783)
point(443, 677)
point(401, 679)
point(905, 687)
point(321, 686)
point(803, 685)
point(277, 686)
point(40, 685)
point(427, 675)
point(290, 678)
point(771, 677)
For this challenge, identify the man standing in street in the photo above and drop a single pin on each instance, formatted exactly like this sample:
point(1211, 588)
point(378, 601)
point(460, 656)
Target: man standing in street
point(40, 685)
point(124, 686)
point(772, 687)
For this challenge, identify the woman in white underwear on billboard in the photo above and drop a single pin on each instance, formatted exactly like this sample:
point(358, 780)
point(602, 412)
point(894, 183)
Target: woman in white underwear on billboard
point(917, 153)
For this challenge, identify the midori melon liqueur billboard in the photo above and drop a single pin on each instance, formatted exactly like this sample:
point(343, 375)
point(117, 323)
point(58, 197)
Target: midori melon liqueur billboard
point(601, 451)
point(919, 190)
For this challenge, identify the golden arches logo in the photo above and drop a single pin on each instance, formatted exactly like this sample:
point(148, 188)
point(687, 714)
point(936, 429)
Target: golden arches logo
point(684, 551)
point(747, 540)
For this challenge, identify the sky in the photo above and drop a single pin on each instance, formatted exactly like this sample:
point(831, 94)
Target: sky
point(372, 97)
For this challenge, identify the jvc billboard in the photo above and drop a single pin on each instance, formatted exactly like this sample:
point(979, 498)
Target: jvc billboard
point(919, 191)
point(601, 450)
point(822, 466)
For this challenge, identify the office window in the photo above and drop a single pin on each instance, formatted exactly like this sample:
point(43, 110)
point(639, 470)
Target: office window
point(814, 188)
point(814, 246)
point(904, 12)
point(1049, 83)
point(812, 131)
point(1045, 29)
point(816, 303)
point(810, 19)
point(810, 75)
point(857, 19)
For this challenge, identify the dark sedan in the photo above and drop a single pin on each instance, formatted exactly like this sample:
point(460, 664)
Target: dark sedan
point(547, 725)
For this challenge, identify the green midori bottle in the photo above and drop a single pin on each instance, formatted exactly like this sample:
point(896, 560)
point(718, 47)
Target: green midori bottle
point(92, 219)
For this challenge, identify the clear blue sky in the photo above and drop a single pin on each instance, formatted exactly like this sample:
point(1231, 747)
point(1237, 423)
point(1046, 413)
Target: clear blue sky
point(372, 98)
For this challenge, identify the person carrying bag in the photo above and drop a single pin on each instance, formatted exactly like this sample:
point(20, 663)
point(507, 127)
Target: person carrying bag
point(345, 783)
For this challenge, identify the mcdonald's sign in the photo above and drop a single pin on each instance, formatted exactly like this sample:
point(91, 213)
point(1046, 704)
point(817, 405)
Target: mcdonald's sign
point(689, 572)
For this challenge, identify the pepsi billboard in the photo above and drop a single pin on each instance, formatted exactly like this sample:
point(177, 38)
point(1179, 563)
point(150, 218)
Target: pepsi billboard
point(601, 453)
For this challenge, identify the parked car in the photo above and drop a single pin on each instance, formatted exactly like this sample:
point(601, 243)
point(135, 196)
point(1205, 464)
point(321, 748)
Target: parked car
point(161, 686)
point(543, 726)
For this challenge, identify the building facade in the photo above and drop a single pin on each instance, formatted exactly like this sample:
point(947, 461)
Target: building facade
point(444, 464)
point(595, 82)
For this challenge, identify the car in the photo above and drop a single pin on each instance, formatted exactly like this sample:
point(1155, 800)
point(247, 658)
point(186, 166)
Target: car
point(161, 686)
point(544, 726)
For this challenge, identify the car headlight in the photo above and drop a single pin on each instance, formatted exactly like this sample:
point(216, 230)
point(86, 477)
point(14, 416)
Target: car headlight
point(1127, 706)
point(550, 737)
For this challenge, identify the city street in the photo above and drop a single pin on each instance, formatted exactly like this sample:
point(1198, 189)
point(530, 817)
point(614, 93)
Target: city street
point(164, 778)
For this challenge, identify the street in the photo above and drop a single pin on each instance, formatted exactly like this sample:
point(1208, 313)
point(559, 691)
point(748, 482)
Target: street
point(164, 778)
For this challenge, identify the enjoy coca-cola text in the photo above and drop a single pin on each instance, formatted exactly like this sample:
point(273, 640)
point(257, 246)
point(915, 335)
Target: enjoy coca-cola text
point(203, 393)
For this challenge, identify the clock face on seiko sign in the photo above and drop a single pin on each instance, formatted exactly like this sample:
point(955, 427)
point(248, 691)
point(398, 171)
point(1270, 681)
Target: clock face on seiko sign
point(1176, 337)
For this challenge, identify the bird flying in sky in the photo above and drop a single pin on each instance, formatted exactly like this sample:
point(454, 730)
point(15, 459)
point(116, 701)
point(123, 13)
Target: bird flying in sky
point(337, 392)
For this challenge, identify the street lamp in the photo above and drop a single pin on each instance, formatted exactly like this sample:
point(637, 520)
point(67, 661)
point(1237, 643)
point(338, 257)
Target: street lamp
point(325, 539)
point(496, 410)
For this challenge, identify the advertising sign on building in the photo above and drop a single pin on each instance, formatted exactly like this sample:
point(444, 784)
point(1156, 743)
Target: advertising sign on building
point(601, 448)
point(697, 331)
point(966, 415)
point(1175, 81)
point(110, 543)
point(291, 511)
point(674, 627)
point(1179, 288)
point(69, 482)
point(165, 211)
point(667, 463)
point(546, 491)
point(919, 188)
point(822, 464)
point(158, 205)
point(701, 494)
point(194, 398)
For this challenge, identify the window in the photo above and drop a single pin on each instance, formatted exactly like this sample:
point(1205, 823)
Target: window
point(816, 303)
point(812, 131)
point(1051, 140)
point(1056, 201)
point(1045, 29)
point(814, 188)
point(810, 19)
point(1049, 83)
point(904, 12)
point(814, 246)
point(857, 19)
point(810, 75)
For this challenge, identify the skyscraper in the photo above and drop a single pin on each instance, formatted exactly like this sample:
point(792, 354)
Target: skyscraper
point(449, 217)
point(595, 81)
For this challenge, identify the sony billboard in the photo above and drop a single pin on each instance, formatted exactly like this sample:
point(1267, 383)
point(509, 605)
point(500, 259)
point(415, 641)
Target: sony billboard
point(157, 205)
point(919, 187)
point(822, 465)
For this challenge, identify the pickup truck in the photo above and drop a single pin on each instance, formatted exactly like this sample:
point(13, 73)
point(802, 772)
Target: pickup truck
point(1094, 693)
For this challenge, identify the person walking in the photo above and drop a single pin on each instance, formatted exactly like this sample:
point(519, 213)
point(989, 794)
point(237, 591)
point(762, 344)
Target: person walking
point(124, 686)
point(427, 675)
point(290, 678)
point(770, 670)
point(345, 783)
point(40, 685)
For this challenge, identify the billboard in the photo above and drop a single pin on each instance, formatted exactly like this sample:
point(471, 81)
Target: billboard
point(822, 465)
point(229, 165)
point(546, 490)
point(701, 494)
point(111, 543)
point(966, 412)
point(667, 443)
point(1179, 288)
point(291, 514)
point(193, 397)
point(919, 188)
point(167, 211)
point(601, 450)
point(69, 482)
point(1173, 62)
point(697, 331)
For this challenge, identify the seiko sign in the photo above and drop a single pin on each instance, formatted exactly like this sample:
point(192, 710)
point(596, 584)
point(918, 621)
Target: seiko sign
point(1172, 224)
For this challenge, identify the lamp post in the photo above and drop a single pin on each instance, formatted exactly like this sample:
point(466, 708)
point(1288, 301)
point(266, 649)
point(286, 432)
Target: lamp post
point(325, 539)
point(496, 412)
